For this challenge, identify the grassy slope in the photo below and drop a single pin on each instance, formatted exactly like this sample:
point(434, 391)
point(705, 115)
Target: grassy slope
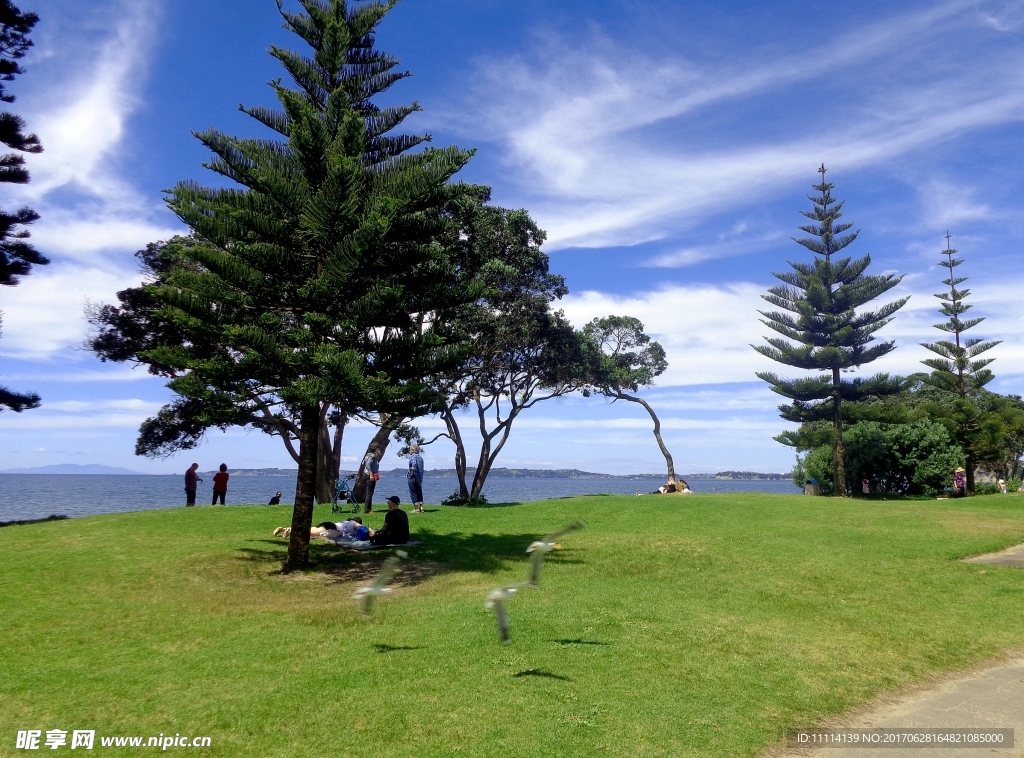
point(701, 626)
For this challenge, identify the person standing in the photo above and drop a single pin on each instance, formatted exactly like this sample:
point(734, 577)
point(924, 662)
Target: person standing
point(865, 486)
point(959, 483)
point(416, 478)
point(371, 468)
point(220, 484)
point(191, 480)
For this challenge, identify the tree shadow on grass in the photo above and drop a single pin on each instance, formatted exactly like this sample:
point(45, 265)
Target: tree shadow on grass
point(23, 522)
point(439, 553)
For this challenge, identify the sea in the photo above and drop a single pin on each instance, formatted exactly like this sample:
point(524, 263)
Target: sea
point(35, 496)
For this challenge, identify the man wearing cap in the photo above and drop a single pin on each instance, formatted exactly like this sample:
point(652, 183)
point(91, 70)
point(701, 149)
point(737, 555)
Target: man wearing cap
point(396, 526)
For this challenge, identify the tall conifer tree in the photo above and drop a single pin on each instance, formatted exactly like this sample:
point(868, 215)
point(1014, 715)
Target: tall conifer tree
point(325, 277)
point(16, 255)
point(819, 302)
point(958, 371)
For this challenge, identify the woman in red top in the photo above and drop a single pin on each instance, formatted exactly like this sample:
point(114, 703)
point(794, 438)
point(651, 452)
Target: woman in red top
point(220, 484)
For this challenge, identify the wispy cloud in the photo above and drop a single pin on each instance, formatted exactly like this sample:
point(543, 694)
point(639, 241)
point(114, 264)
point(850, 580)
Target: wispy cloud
point(739, 240)
point(601, 140)
point(93, 217)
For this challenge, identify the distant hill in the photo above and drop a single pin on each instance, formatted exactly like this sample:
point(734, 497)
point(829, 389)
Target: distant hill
point(438, 473)
point(73, 468)
point(255, 472)
point(571, 473)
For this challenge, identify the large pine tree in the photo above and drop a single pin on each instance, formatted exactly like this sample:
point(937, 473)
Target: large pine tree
point(16, 255)
point(324, 279)
point(819, 302)
point(958, 371)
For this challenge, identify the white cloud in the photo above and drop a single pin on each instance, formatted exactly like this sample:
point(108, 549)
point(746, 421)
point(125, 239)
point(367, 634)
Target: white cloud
point(599, 140)
point(92, 216)
point(44, 314)
point(94, 406)
point(92, 422)
point(82, 121)
point(946, 204)
point(729, 244)
point(707, 330)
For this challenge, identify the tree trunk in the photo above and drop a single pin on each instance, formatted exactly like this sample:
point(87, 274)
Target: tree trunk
point(487, 456)
point(460, 452)
point(669, 463)
point(838, 464)
point(302, 512)
point(329, 460)
point(381, 440)
point(971, 465)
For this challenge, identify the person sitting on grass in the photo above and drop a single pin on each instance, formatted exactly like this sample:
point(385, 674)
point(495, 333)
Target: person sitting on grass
point(396, 526)
point(275, 500)
point(673, 487)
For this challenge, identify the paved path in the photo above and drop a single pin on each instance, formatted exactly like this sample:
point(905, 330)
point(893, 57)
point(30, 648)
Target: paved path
point(1012, 556)
point(989, 699)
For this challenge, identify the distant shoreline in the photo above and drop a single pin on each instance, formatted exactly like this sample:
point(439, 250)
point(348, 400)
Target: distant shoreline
point(496, 473)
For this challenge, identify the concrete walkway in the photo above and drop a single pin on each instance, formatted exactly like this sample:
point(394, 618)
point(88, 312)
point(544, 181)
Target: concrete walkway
point(992, 698)
point(1012, 556)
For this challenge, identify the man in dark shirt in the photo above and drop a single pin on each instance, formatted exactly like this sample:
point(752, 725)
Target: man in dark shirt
point(396, 526)
point(191, 478)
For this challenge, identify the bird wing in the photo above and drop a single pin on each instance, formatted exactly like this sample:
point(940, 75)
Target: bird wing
point(387, 571)
point(579, 524)
point(365, 604)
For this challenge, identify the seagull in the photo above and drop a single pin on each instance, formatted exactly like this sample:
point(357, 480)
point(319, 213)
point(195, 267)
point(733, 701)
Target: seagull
point(496, 602)
point(546, 545)
point(366, 593)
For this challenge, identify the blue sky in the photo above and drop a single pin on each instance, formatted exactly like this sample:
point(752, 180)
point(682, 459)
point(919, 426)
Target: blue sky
point(666, 147)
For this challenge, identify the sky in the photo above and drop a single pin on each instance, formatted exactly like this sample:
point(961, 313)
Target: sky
point(666, 147)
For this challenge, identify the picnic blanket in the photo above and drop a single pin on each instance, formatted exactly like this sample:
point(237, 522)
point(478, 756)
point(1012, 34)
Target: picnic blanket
point(366, 544)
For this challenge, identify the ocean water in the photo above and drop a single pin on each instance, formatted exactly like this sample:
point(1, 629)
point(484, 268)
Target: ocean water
point(33, 496)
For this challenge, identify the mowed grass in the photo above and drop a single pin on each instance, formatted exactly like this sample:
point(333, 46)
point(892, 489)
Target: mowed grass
point(672, 626)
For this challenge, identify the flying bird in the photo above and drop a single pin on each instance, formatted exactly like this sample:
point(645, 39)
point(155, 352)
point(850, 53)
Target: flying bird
point(496, 602)
point(546, 545)
point(366, 593)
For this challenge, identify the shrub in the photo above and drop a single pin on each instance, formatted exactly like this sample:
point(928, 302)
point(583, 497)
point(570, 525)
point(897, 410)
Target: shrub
point(456, 499)
point(899, 459)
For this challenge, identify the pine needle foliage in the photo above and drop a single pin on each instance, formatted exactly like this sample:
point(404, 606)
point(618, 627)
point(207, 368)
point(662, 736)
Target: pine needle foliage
point(960, 374)
point(958, 368)
point(823, 329)
point(17, 255)
point(324, 276)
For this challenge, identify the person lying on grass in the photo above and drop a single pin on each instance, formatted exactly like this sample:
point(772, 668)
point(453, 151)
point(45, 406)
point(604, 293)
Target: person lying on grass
point(327, 529)
point(396, 526)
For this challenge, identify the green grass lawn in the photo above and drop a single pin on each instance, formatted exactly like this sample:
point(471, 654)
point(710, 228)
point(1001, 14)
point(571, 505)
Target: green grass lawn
point(700, 626)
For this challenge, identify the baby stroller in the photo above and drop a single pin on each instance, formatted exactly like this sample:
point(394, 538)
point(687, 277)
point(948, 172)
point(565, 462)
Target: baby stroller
point(343, 495)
